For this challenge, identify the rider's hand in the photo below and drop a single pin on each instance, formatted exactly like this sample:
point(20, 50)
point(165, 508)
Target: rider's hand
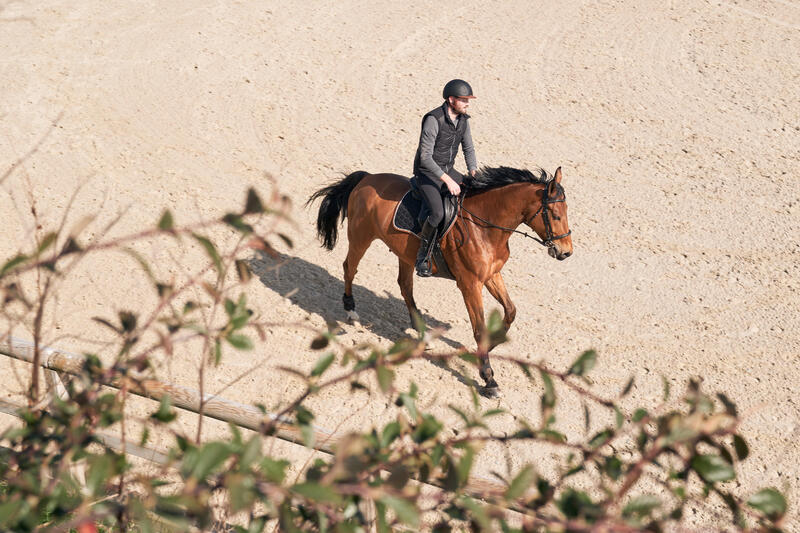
point(452, 186)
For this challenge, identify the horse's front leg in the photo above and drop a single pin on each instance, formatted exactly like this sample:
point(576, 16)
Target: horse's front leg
point(472, 298)
point(497, 288)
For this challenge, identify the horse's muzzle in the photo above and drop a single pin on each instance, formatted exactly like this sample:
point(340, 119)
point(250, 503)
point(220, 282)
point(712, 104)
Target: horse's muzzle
point(558, 254)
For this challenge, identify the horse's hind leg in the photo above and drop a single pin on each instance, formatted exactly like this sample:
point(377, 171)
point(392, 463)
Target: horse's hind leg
point(354, 254)
point(405, 278)
point(497, 288)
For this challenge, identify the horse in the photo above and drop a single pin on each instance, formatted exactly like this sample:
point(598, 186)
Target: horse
point(493, 204)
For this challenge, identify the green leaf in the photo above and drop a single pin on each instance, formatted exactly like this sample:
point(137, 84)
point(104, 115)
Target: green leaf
point(460, 413)
point(601, 438)
point(520, 483)
point(47, 241)
point(165, 412)
point(240, 490)
point(251, 452)
point(382, 524)
point(100, 471)
point(619, 418)
point(322, 364)
point(241, 342)
point(13, 510)
point(385, 378)
point(584, 363)
point(303, 415)
point(665, 383)
point(576, 504)
point(210, 457)
point(408, 401)
point(230, 307)
point(145, 267)
point(469, 357)
point(639, 414)
point(210, 249)
point(770, 502)
point(465, 466)
point(275, 470)
point(742, 450)
point(71, 247)
point(217, 352)
point(240, 320)
point(587, 420)
point(106, 323)
point(428, 429)
point(286, 240)
point(11, 263)
point(243, 270)
point(613, 467)
point(236, 222)
point(549, 396)
point(478, 513)
point(166, 223)
point(641, 505)
point(496, 329)
point(316, 492)
point(713, 468)
point(145, 436)
point(628, 387)
point(551, 435)
point(730, 407)
point(405, 510)
point(253, 204)
point(320, 342)
point(390, 432)
point(127, 320)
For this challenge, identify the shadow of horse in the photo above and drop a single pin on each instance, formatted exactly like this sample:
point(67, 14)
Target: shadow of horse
point(316, 291)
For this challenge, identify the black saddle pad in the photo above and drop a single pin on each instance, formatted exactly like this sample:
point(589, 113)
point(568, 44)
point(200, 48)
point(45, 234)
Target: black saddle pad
point(408, 214)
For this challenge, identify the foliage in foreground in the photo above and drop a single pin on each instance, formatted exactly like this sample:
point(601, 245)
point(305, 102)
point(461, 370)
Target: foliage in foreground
point(643, 471)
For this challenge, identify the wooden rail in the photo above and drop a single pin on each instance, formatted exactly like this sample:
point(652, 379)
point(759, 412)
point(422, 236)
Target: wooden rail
point(246, 416)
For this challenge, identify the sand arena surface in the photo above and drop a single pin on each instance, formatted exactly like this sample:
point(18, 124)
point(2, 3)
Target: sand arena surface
point(676, 126)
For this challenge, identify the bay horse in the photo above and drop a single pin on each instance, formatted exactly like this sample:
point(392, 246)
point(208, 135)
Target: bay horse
point(493, 204)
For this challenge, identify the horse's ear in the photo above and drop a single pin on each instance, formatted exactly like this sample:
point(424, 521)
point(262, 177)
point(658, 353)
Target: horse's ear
point(557, 177)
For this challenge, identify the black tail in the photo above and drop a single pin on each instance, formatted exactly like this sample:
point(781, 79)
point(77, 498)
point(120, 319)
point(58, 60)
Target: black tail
point(333, 208)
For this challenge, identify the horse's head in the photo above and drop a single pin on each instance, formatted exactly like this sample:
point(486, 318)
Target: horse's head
point(549, 221)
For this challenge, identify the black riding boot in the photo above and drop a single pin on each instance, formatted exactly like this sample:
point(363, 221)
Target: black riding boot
point(427, 238)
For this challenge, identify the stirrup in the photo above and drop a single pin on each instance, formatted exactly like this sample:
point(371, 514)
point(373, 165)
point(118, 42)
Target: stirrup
point(424, 265)
point(424, 268)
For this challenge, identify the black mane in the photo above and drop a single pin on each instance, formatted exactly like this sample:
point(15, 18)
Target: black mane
point(493, 177)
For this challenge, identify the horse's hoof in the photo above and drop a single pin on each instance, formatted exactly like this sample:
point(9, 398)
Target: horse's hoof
point(491, 392)
point(352, 317)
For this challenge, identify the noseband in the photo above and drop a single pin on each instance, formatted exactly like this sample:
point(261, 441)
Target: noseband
point(560, 196)
point(548, 226)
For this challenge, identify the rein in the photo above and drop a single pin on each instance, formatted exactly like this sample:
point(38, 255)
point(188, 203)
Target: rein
point(546, 200)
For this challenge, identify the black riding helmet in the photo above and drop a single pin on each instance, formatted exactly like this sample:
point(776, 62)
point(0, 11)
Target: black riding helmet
point(457, 88)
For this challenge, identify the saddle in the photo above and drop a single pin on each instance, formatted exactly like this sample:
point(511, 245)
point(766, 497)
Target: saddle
point(410, 214)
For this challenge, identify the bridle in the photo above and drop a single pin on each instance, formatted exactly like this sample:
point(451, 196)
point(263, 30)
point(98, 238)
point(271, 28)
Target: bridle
point(548, 226)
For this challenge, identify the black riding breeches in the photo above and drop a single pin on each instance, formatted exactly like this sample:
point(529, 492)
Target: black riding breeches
point(432, 194)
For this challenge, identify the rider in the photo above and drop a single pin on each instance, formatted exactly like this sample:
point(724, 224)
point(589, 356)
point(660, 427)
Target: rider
point(443, 129)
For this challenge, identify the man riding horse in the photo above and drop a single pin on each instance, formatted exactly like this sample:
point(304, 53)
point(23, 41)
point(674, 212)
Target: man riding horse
point(443, 130)
point(496, 201)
